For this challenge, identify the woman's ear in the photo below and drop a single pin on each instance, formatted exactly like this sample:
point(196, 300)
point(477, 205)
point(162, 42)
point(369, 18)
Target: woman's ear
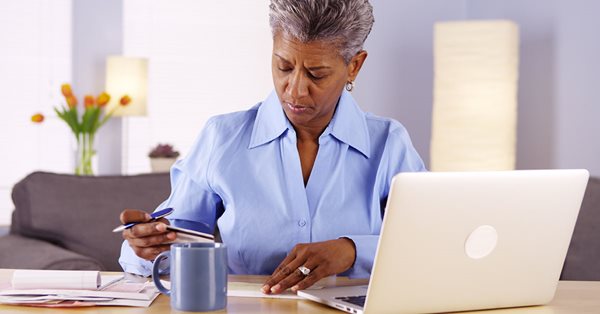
point(355, 64)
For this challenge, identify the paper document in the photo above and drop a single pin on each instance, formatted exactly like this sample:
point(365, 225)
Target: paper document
point(55, 279)
point(114, 290)
point(252, 290)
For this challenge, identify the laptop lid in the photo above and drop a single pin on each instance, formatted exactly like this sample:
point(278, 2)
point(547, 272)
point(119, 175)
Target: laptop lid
point(455, 241)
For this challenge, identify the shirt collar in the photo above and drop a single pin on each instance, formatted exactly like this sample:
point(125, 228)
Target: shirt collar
point(347, 125)
point(270, 122)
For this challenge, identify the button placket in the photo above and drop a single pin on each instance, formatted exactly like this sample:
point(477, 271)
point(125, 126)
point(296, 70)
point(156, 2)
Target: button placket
point(293, 172)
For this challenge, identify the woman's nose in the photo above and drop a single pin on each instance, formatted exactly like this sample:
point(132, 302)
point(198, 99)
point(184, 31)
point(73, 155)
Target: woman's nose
point(298, 86)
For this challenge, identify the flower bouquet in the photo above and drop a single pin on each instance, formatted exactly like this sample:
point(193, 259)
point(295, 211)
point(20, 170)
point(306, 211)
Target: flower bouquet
point(86, 124)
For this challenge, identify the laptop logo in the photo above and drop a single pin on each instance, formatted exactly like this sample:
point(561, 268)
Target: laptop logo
point(481, 242)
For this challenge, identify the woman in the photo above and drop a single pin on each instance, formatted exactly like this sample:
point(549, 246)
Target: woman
point(298, 183)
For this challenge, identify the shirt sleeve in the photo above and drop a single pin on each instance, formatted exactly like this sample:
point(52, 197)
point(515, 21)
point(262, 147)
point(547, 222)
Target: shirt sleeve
point(131, 263)
point(191, 197)
point(400, 156)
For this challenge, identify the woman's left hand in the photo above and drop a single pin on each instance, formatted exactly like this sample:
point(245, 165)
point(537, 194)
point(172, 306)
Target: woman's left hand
point(321, 258)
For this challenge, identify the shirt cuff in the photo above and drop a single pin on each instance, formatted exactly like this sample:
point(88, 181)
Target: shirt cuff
point(134, 264)
point(366, 246)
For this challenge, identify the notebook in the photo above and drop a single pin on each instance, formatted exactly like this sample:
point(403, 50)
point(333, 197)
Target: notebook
point(458, 241)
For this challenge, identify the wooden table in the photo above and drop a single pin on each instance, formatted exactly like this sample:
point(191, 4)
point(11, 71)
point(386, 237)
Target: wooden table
point(571, 297)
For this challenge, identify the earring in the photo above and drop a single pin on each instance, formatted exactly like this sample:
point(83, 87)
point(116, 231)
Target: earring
point(350, 86)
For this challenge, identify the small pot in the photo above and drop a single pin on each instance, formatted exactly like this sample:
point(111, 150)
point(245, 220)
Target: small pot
point(162, 164)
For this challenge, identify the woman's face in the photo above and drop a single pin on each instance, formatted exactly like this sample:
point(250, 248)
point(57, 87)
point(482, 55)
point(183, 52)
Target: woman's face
point(309, 79)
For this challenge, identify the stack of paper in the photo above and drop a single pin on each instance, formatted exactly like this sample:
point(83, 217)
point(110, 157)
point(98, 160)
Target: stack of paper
point(45, 288)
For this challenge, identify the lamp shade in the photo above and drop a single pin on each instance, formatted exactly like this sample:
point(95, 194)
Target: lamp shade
point(475, 96)
point(127, 76)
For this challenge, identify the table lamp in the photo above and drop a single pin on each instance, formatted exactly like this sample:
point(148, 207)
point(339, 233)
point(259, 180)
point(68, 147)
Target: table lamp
point(475, 96)
point(127, 76)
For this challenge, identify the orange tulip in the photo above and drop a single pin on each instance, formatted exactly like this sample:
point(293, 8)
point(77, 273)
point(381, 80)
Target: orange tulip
point(37, 118)
point(66, 90)
point(71, 101)
point(125, 100)
point(88, 101)
point(103, 99)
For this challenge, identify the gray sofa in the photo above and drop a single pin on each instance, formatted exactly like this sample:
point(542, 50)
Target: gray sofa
point(65, 221)
point(583, 258)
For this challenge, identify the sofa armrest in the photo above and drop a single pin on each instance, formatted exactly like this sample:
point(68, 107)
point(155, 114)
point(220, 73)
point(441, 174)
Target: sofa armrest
point(77, 213)
point(583, 258)
point(25, 253)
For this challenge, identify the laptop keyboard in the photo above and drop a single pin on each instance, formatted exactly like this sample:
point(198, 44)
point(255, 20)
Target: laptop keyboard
point(356, 300)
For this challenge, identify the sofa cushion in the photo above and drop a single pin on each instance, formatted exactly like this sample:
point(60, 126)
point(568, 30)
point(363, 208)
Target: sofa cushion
point(583, 257)
point(26, 253)
point(79, 212)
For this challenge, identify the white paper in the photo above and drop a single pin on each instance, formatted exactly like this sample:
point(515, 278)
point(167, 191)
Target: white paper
point(117, 291)
point(187, 235)
point(44, 298)
point(109, 280)
point(55, 279)
point(79, 293)
point(252, 290)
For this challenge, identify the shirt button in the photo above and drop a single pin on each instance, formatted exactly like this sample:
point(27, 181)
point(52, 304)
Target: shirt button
point(301, 222)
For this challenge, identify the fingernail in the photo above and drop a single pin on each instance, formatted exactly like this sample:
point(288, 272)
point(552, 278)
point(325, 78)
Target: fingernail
point(161, 227)
point(265, 289)
point(171, 235)
point(295, 288)
point(276, 288)
point(147, 216)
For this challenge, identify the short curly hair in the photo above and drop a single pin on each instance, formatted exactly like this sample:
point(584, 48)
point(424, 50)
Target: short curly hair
point(346, 23)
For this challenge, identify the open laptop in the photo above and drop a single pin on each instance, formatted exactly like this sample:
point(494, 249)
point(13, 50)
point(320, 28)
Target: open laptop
point(457, 241)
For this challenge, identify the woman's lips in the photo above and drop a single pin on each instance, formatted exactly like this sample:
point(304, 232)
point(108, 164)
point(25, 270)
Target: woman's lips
point(296, 108)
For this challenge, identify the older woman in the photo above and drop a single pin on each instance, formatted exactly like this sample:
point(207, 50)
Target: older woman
point(298, 183)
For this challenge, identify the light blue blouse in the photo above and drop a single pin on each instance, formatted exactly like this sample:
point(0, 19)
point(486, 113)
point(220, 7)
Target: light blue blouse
point(243, 173)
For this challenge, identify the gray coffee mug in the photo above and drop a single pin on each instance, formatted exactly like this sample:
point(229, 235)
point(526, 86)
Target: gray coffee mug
point(198, 276)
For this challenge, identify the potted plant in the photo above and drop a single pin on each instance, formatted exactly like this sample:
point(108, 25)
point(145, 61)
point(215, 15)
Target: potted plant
point(162, 157)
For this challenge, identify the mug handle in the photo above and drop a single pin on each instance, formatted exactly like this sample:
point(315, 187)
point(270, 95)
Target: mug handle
point(156, 275)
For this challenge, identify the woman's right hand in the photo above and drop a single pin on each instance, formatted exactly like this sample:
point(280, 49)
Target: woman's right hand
point(147, 239)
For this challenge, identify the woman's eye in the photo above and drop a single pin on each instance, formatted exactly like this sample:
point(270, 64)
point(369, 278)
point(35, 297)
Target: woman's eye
point(315, 77)
point(285, 69)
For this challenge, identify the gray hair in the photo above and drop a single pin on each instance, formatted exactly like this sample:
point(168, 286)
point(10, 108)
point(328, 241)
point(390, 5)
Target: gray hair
point(346, 23)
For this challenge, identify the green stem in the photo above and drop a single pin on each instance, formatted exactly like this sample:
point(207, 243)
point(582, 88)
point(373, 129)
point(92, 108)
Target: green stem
point(79, 156)
point(85, 153)
point(90, 152)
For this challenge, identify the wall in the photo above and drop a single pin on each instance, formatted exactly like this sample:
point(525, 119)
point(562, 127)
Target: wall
point(559, 69)
point(558, 106)
point(397, 78)
point(34, 60)
point(206, 58)
point(97, 33)
point(578, 85)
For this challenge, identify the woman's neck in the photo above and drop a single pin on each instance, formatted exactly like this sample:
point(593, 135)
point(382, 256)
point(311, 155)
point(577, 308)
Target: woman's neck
point(312, 134)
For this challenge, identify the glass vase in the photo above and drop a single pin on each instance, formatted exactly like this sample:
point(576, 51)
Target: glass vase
point(85, 153)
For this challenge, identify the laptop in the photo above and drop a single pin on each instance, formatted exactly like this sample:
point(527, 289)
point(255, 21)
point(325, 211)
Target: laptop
point(459, 241)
